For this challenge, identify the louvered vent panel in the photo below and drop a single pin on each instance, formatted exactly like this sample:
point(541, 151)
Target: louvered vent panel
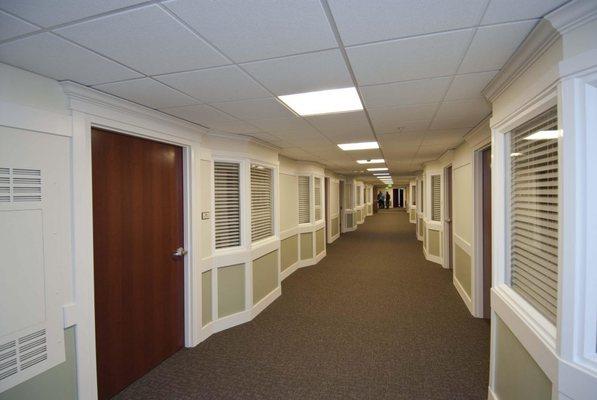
point(262, 221)
point(4, 185)
point(18, 355)
point(436, 205)
point(304, 200)
point(227, 204)
point(534, 214)
point(317, 185)
point(20, 185)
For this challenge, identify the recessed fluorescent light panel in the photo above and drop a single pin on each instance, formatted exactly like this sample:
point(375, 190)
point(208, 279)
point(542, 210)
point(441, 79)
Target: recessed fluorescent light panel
point(373, 161)
point(324, 101)
point(544, 135)
point(377, 169)
point(359, 146)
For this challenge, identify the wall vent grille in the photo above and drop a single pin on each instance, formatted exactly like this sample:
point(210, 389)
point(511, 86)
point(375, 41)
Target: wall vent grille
point(19, 185)
point(18, 355)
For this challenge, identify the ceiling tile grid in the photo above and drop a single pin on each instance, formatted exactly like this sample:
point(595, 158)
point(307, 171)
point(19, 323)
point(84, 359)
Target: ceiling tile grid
point(419, 66)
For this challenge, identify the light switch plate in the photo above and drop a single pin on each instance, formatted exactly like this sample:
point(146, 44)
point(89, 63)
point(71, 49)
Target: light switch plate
point(205, 215)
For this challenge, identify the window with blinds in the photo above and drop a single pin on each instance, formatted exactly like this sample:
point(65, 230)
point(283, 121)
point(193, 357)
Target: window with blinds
point(414, 195)
point(358, 195)
point(262, 204)
point(534, 212)
point(227, 204)
point(304, 200)
point(436, 206)
point(317, 186)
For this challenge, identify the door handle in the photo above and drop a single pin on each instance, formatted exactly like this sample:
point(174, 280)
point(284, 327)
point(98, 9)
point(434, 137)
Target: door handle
point(180, 252)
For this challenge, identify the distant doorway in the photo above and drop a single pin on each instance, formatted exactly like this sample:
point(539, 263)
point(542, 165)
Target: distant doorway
point(395, 202)
point(486, 217)
point(340, 205)
point(448, 261)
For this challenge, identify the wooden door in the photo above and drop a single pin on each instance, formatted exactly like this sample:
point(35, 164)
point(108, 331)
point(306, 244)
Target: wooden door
point(395, 198)
point(139, 283)
point(486, 189)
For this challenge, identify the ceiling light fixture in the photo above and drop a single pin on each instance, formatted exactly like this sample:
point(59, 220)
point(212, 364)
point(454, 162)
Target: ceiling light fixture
point(544, 135)
point(378, 169)
point(323, 101)
point(373, 161)
point(359, 146)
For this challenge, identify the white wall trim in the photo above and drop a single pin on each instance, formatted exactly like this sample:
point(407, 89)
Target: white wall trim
point(465, 297)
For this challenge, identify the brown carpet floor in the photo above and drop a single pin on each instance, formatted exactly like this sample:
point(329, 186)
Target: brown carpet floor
point(373, 320)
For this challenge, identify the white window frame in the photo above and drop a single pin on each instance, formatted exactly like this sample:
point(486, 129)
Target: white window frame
point(321, 198)
point(273, 199)
point(311, 190)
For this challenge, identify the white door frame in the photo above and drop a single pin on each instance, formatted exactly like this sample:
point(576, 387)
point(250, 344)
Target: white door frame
point(91, 109)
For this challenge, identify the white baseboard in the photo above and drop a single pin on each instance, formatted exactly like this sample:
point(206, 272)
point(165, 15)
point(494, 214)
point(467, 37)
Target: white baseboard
point(491, 394)
point(465, 297)
point(289, 271)
point(265, 302)
point(334, 238)
point(435, 259)
point(354, 228)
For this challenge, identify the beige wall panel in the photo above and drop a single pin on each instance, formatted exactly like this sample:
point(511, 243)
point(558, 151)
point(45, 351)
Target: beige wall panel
point(288, 202)
point(205, 200)
point(335, 226)
point(206, 294)
point(265, 275)
point(289, 251)
point(517, 375)
point(424, 230)
point(434, 241)
point(231, 289)
point(349, 220)
point(306, 246)
point(359, 215)
point(420, 225)
point(462, 268)
point(333, 198)
point(319, 241)
point(463, 202)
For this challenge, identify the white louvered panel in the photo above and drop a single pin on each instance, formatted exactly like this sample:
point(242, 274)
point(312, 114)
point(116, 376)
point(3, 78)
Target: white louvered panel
point(317, 186)
point(534, 214)
point(358, 196)
point(262, 225)
point(304, 200)
point(20, 185)
point(227, 204)
point(436, 205)
point(4, 185)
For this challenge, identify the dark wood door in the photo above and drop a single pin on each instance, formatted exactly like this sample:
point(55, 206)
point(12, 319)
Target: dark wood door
point(395, 198)
point(486, 188)
point(139, 284)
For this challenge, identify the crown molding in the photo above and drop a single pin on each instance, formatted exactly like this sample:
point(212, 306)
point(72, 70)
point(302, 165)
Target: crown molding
point(244, 138)
point(541, 38)
point(572, 15)
point(85, 99)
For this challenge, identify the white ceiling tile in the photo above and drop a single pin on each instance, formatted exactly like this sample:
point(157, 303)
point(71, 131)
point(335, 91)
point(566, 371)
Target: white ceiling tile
point(469, 86)
point(53, 12)
point(240, 127)
point(431, 152)
point(406, 93)
point(391, 119)
point(336, 125)
point(216, 84)
point(368, 21)
point(302, 73)
point(48, 55)
point(493, 45)
point(147, 39)
point(516, 10)
point(255, 109)
point(460, 114)
point(406, 59)
point(448, 138)
point(11, 26)
point(147, 92)
point(200, 113)
point(282, 124)
point(248, 30)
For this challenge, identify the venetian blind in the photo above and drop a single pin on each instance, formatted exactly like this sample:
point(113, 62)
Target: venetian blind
point(534, 212)
point(227, 204)
point(262, 209)
point(304, 200)
point(436, 208)
point(317, 185)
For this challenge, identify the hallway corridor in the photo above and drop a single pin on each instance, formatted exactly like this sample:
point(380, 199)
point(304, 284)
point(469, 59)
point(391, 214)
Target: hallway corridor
point(373, 320)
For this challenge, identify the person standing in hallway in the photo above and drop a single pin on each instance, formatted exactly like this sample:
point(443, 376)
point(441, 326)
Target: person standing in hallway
point(380, 199)
point(387, 199)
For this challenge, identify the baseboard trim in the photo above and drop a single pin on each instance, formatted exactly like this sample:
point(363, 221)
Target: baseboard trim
point(290, 270)
point(491, 394)
point(265, 302)
point(465, 297)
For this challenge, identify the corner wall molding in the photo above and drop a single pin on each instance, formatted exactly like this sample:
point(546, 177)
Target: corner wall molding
point(572, 15)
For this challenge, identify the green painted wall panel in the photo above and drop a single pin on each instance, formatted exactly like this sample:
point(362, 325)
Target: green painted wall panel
point(289, 251)
point(306, 246)
point(206, 298)
point(335, 226)
point(517, 375)
point(319, 241)
point(58, 383)
point(462, 268)
point(265, 275)
point(434, 240)
point(231, 289)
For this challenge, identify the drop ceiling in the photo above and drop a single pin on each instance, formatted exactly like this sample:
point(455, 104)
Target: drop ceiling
point(419, 66)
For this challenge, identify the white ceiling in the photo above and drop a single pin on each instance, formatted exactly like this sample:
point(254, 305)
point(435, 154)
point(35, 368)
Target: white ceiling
point(419, 66)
